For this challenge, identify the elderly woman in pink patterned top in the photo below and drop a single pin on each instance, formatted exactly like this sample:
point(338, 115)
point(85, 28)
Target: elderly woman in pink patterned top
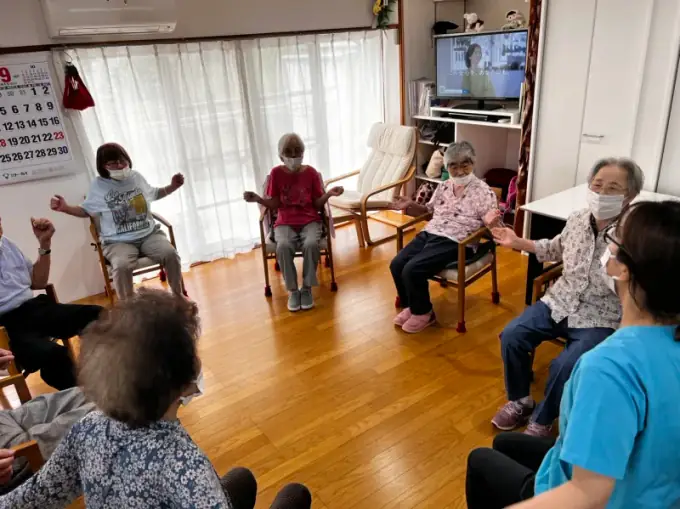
point(459, 207)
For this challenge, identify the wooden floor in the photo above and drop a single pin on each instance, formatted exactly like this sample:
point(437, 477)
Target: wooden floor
point(337, 397)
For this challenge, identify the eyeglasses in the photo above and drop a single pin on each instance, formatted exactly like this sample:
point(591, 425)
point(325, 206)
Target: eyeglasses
point(608, 190)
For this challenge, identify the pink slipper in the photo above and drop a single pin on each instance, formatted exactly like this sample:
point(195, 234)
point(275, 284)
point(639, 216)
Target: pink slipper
point(402, 317)
point(417, 323)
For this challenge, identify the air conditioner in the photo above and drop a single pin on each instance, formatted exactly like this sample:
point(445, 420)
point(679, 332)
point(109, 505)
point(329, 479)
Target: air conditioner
point(70, 18)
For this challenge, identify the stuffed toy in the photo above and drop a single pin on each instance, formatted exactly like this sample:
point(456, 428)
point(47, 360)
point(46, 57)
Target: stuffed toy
point(514, 20)
point(472, 22)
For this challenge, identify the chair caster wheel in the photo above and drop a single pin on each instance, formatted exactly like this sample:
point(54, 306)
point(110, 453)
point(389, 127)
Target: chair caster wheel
point(334, 286)
point(461, 327)
point(397, 302)
point(277, 267)
point(163, 276)
point(267, 291)
point(495, 297)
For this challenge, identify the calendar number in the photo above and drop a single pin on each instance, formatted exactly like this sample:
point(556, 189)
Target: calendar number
point(5, 75)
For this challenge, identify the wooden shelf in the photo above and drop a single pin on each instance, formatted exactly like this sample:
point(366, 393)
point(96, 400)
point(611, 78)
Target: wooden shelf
point(422, 176)
point(428, 142)
point(469, 122)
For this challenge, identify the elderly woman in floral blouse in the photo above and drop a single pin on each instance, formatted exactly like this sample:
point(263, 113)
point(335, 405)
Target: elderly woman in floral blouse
point(580, 307)
point(459, 207)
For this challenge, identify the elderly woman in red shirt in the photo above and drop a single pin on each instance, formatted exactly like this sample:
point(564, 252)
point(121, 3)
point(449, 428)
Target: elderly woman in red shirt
point(459, 207)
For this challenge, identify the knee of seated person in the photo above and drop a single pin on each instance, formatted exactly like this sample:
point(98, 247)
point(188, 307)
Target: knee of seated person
point(478, 457)
point(241, 479)
point(285, 245)
point(297, 492)
point(511, 334)
point(170, 255)
point(310, 244)
point(123, 265)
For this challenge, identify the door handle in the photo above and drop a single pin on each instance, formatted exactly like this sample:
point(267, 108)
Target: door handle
point(593, 136)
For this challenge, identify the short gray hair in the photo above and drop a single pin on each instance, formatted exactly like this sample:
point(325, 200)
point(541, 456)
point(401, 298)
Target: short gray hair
point(287, 138)
point(460, 152)
point(636, 177)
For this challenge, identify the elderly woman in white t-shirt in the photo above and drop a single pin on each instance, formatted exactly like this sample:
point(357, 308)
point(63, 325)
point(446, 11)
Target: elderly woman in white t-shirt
point(119, 200)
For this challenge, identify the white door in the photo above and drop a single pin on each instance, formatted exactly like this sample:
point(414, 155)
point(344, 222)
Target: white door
point(620, 38)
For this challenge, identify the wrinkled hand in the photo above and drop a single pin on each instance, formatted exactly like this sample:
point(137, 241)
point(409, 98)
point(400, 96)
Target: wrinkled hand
point(250, 197)
point(5, 358)
point(6, 460)
point(400, 203)
point(177, 181)
point(505, 237)
point(43, 229)
point(492, 218)
point(58, 203)
point(336, 191)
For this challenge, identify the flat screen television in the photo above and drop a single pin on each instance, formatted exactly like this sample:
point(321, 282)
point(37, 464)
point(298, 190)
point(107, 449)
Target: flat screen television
point(486, 66)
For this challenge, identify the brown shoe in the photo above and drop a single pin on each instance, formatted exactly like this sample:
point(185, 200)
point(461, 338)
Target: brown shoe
point(512, 415)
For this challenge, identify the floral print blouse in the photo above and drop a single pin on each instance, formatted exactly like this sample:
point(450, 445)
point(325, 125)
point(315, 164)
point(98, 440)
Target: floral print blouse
point(116, 466)
point(581, 295)
point(457, 217)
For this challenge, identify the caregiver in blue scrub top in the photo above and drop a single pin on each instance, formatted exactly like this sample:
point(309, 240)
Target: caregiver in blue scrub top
point(619, 443)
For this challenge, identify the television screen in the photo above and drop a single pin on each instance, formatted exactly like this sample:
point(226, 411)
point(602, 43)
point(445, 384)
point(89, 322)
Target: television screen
point(481, 65)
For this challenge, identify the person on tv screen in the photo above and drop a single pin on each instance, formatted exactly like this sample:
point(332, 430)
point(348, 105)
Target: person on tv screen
point(476, 81)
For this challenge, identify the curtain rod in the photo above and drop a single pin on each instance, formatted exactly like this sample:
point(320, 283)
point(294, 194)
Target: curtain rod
point(184, 40)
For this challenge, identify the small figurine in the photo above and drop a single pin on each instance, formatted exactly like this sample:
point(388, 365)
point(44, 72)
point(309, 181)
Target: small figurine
point(472, 22)
point(515, 20)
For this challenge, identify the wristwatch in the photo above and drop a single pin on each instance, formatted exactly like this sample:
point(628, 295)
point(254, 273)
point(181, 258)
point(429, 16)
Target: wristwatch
point(44, 252)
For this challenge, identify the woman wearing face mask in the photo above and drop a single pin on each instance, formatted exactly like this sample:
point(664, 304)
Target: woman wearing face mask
point(137, 363)
point(459, 207)
point(296, 191)
point(580, 307)
point(619, 440)
point(119, 201)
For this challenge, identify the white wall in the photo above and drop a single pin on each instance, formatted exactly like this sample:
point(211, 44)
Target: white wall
point(669, 177)
point(21, 23)
point(418, 51)
point(571, 104)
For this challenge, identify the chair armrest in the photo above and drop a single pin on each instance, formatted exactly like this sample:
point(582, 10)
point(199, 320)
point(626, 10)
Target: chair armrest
point(475, 236)
point(402, 228)
point(31, 452)
point(342, 177)
point(51, 293)
point(550, 275)
point(409, 175)
point(161, 220)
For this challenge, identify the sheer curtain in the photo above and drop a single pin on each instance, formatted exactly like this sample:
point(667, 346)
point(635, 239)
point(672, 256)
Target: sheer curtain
point(215, 111)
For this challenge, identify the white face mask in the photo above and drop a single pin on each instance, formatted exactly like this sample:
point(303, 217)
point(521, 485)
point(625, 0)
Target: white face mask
point(120, 174)
point(610, 280)
point(463, 181)
point(200, 389)
point(292, 163)
point(604, 206)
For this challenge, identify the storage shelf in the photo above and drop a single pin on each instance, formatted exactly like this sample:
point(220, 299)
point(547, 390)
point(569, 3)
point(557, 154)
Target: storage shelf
point(428, 142)
point(469, 122)
point(422, 176)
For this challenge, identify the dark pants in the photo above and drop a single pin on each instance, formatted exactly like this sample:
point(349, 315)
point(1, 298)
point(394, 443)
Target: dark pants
point(425, 256)
point(241, 487)
point(520, 339)
point(33, 326)
point(504, 475)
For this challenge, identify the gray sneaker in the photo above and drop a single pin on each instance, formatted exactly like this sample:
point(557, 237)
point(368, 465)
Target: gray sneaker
point(294, 301)
point(307, 298)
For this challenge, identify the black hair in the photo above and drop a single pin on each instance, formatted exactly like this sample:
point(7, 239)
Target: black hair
point(110, 152)
point(468, 54)
point(138, 358)
point(649, 233)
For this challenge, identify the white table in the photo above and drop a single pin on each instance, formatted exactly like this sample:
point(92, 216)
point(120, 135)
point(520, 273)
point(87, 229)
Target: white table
point(549, 214)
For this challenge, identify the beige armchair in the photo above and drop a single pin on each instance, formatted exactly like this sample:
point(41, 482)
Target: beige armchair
point(388, 168)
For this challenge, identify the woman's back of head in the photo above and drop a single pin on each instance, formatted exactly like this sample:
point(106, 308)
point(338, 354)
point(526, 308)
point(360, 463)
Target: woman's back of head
point(136, 360)
point(649, 235)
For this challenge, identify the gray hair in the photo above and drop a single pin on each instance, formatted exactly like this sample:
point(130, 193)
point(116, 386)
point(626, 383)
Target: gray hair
point(287, 138)
point(636, 177)
point(460, 153)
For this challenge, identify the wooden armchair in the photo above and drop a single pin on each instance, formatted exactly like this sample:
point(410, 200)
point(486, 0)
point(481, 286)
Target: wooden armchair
point(31, 452)
point(483, 262)
point(144, 265)
point(388, 168)
point(541, 285)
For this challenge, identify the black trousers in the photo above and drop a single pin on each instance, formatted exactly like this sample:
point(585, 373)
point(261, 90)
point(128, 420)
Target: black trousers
point(33, 326)
point(241, 487)
point(504, 475)
point(425, 256)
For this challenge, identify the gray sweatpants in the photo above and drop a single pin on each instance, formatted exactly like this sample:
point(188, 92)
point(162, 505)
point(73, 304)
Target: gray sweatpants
point(123, 256)
point(287, 242)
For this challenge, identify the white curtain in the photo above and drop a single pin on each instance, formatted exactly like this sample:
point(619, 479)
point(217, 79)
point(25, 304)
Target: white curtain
point(215, 111)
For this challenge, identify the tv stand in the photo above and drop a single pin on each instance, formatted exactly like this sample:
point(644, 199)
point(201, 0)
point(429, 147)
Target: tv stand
point(479, 106)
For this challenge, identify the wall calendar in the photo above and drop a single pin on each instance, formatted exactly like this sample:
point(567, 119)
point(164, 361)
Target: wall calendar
point(33, 139)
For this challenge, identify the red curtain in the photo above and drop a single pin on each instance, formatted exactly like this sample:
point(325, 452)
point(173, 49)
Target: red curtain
point(528, 111)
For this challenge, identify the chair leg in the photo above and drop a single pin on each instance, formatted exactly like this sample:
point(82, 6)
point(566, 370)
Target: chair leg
point(360, 233)
point(331, 265)
point(109, 291)
point(265, 265)
point(365, 229)
point(461, 307)
point(495, 296)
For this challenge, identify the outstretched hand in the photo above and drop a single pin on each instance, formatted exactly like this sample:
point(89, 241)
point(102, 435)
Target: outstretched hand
point(336, 191)
point(400, 203)
point(250, 197)
point(177, 181)
point(43, 229)
point(6, 461)
point(505, 237)
point(58, 203)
